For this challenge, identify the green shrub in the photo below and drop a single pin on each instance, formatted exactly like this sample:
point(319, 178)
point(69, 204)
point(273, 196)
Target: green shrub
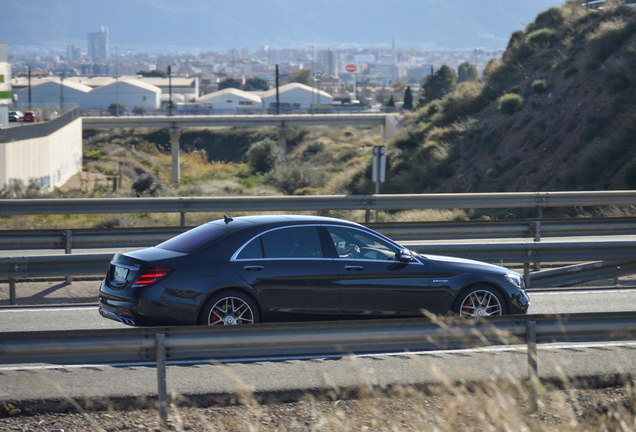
point(263, 156)
point(609, 37)
point(571, 71)
point(551, 18)
point(539, 86)
point(543, 37)
point(313, 149)
point(291, 176)
point(149, 185)
point(510, 103)
point(595, 124)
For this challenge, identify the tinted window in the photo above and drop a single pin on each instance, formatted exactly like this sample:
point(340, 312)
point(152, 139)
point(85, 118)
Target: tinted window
point(297, 242)
point(353, 243)
point(252, 250)
point(192, 240)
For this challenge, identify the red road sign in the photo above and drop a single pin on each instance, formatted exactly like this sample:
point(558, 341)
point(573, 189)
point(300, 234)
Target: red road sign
point(351, 68)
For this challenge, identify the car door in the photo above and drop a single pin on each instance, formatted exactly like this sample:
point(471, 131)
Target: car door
point(372, 280)
point(291, 271)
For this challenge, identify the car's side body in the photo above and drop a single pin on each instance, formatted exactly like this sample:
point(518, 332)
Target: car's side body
point(292, 268)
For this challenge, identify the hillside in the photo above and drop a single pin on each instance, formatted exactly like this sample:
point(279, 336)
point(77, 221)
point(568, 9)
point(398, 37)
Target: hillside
point(573, 73)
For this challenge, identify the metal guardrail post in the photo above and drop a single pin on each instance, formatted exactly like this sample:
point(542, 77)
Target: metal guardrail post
point(183, 221)
point(162, 404)
point(533, 375)
point(11, 291)
point(68, 237)
point(526, 274)
point(537, 238)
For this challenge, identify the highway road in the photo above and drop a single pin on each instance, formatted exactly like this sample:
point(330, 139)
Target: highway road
point(45, 381)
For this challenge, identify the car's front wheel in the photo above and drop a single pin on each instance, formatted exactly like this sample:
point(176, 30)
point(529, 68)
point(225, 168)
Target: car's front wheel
point(229, 308)
point(481, 300)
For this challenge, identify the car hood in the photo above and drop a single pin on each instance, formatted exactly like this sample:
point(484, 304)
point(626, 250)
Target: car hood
point(464, 263)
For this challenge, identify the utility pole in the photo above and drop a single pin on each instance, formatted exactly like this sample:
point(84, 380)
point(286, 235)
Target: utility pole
point(312, 79)
point(29, 75)
point(170, 90)
point(277, 94)
point(116, 80)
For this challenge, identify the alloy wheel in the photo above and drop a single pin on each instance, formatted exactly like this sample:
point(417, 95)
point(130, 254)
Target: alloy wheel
point(480, 303)
point(231, 311)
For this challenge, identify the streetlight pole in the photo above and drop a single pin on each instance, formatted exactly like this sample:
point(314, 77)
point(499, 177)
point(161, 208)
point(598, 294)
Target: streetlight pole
point(117, 80)
point(312, 79)
point(170, 89)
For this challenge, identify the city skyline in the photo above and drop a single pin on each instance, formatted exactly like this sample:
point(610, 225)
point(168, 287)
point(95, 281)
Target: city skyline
point(200, 25)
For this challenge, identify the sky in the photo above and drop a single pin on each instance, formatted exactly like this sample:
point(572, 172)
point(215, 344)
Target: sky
point(217, 25)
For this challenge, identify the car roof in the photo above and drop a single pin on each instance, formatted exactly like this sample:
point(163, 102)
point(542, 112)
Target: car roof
point(241, 222)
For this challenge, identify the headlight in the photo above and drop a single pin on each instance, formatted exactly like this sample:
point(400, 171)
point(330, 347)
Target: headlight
point(514, 279)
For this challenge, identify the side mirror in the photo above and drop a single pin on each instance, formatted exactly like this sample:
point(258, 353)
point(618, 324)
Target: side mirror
point(404, 256)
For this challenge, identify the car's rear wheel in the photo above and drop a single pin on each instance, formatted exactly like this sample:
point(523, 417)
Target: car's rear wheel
point(479, 301)
point(230, 308)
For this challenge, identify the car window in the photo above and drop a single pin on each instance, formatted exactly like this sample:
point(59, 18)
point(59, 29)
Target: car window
point(252, 250)
point(354, 243)
point(193, 239)
point(295, 242)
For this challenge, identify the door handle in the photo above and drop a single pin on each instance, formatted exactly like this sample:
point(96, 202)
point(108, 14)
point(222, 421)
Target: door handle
point(253, 268)
point(354, 268)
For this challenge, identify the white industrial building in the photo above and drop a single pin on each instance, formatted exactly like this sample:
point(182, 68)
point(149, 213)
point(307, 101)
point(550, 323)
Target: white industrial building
point(129, 93)
point(296, 95)
point(231, 98)
point(6, 96)
point(54, 94)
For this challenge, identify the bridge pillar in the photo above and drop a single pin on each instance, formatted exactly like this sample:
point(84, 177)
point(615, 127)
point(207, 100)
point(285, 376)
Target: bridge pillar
point(282, 138)
point(174, 145)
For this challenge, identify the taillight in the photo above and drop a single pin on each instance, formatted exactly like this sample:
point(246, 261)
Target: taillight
point(152, 275)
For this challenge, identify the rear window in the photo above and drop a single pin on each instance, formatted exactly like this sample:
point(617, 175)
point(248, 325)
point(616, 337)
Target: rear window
point(192, 240)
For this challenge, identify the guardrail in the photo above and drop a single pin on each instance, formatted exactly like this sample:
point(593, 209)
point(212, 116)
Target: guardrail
point(204, 111)
point(537, 200)
point(624, 251)
point(309, 339)
point(469, 230)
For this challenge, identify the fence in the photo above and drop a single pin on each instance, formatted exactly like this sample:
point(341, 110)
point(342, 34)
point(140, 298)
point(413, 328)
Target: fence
point(536, 200)
point(309, 339)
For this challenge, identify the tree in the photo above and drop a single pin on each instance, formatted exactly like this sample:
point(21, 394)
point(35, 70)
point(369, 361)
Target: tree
point(153, 74)
point(439, 84)
point(466, 72)
point(263, 156)
point(399, 85)
point(391, 102)
point(230, 83)
point(408, 99)
point(302, 76)
point(255, 83)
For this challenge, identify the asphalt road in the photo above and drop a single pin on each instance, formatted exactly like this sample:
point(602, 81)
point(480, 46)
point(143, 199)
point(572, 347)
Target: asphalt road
point(43, 381)
point(36, 318)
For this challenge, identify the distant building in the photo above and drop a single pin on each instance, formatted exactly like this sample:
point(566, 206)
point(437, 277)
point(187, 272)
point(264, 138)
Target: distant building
point(329, 58)
point(131, 93)
point(6, 96)
point(231, 98)
point(53, 94)
point(73, 53)
point(98, 45)
point(296, 96)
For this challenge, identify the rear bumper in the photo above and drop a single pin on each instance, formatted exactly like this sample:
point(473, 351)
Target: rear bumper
point(143, 307)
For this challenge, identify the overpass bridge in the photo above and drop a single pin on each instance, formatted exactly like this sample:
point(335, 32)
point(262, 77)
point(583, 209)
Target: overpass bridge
point(389, 122)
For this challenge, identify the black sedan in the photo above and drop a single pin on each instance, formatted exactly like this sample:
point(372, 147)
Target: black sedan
point(256, 269)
